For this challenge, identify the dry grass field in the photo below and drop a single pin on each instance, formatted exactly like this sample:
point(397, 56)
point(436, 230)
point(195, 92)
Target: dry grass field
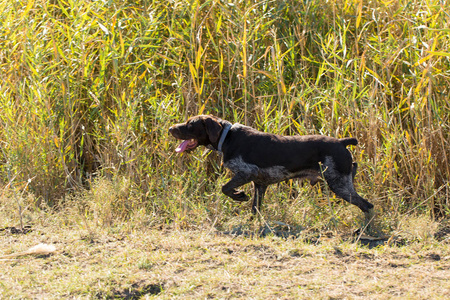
point(88, 90)
point(136, 260)
point(203, 264)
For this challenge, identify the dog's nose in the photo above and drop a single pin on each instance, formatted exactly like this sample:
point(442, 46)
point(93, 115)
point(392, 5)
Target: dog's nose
point(170, 129)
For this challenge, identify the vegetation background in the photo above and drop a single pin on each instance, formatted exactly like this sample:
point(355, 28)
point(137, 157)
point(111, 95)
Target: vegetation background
point(88, 90)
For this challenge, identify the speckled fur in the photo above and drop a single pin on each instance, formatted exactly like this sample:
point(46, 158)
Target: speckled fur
point(270, 175)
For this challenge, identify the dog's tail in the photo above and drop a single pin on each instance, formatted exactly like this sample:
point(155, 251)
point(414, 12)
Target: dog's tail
point(349, 141)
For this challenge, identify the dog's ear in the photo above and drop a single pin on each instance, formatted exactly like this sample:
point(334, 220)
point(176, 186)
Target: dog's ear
point(213, 128)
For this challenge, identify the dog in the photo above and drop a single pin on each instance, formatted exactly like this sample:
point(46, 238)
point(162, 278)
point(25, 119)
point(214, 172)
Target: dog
point(265, 159)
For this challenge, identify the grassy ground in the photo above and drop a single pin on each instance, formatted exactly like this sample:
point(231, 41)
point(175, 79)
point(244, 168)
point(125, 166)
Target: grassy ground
point(193, 264)
point(137, 260)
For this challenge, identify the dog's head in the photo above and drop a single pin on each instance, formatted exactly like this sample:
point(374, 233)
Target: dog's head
point(199, 130)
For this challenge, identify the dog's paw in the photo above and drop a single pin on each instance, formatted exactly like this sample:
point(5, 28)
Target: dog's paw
point(241, 197)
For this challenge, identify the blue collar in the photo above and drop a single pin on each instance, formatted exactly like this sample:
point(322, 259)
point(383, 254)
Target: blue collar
point(223, 136)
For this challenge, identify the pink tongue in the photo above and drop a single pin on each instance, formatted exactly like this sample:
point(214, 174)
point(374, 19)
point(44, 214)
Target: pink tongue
point(182, 146)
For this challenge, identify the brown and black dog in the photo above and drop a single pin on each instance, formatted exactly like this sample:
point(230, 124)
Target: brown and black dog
point(264, 158)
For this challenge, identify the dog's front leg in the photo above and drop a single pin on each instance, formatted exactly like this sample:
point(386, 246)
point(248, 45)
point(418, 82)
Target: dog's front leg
point(238, 180)
point(258, 197)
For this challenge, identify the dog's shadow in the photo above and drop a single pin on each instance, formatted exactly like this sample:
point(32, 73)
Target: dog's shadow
point(273, 228)
point(286, 231)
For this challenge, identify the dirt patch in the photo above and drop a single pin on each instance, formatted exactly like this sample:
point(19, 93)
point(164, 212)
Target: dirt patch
point(15, 230)
point(135, 291)
point(443, 233)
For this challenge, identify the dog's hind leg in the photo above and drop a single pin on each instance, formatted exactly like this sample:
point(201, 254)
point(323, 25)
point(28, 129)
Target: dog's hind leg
point(342, 186)
point(258, 197)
